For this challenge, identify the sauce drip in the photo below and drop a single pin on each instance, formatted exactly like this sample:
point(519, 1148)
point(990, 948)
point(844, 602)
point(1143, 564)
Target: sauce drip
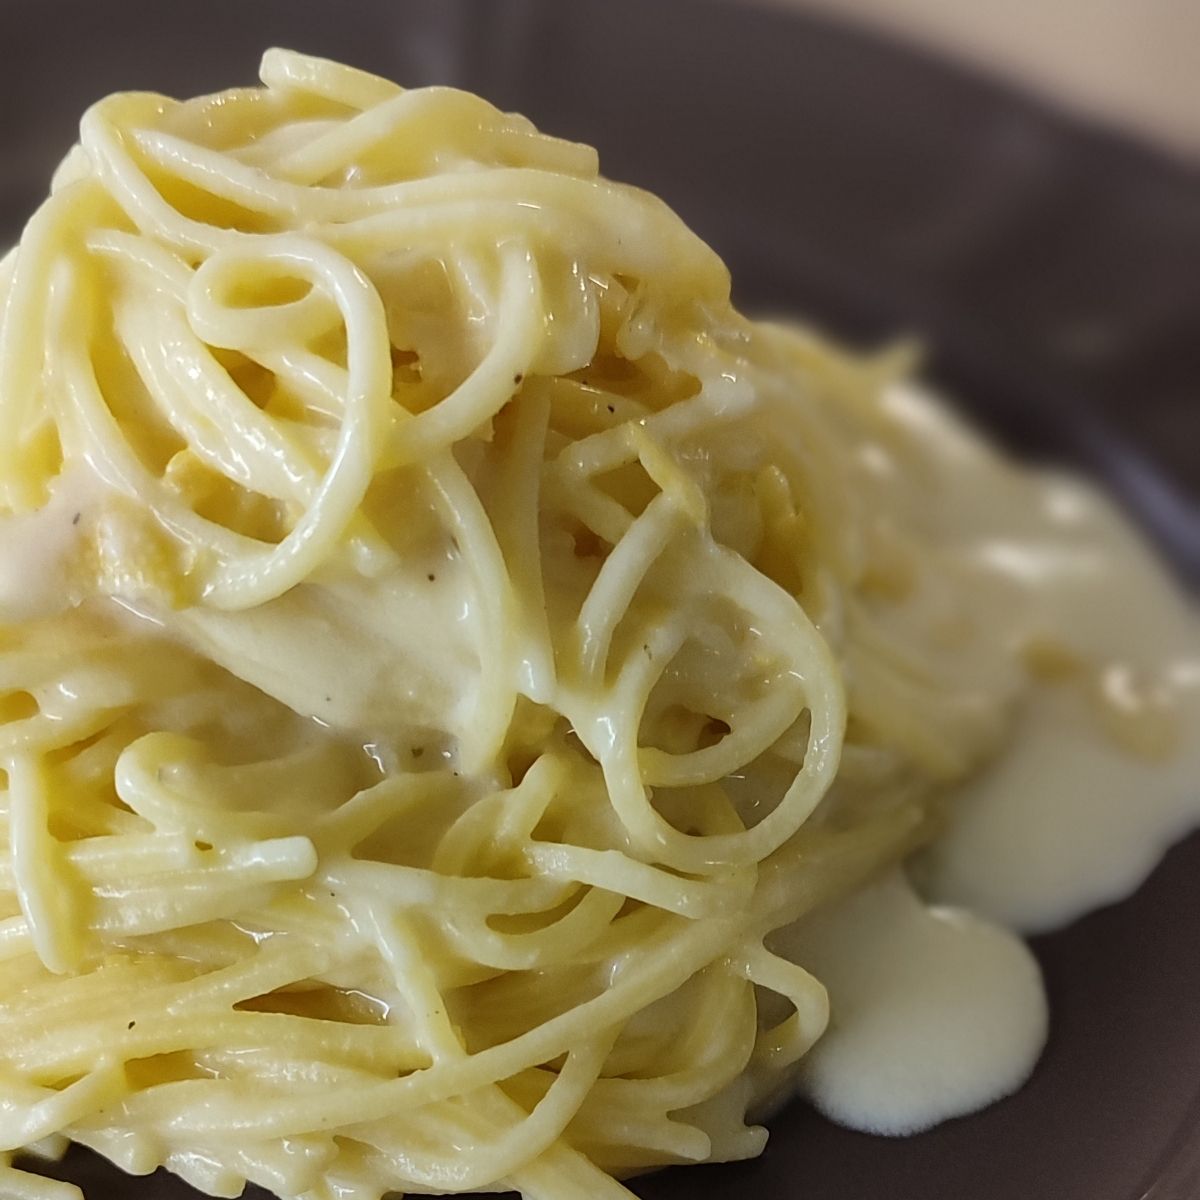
point(936, 1008)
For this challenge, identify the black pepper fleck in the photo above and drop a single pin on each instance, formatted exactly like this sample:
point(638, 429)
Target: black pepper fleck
point(131, 1025)
point(518, 377)
point(75, 518)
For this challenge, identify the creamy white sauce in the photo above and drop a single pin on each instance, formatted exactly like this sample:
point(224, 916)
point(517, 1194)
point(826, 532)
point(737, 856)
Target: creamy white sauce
point(934, 1012)
point(1102, 769)
point(1065, 821)
point(36, 548)
point(397, 652)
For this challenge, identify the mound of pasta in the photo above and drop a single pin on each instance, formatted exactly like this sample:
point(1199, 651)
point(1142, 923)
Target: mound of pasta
point(441, 639)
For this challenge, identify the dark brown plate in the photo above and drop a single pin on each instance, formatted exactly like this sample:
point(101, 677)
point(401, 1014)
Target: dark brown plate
point(1053, 269)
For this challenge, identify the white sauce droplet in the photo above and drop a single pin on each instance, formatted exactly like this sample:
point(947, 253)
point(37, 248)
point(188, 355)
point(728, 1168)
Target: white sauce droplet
point(934, 1012)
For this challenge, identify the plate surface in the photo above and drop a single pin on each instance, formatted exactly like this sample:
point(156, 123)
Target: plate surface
point(1052, 269)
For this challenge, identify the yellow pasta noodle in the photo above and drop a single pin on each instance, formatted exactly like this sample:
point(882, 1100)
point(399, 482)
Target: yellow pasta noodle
point(441, 639)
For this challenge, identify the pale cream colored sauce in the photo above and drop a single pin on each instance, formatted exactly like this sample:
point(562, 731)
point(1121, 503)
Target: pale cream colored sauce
point(1102, 769)
point(398, 652)
point(935, 1011)
point(37, 549)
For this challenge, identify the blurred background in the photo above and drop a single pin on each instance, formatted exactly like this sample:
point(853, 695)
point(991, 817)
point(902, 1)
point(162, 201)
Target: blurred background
point(1134, 63)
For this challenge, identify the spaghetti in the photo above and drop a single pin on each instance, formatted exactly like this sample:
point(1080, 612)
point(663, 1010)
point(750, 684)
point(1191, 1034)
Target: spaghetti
point(444, 639)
